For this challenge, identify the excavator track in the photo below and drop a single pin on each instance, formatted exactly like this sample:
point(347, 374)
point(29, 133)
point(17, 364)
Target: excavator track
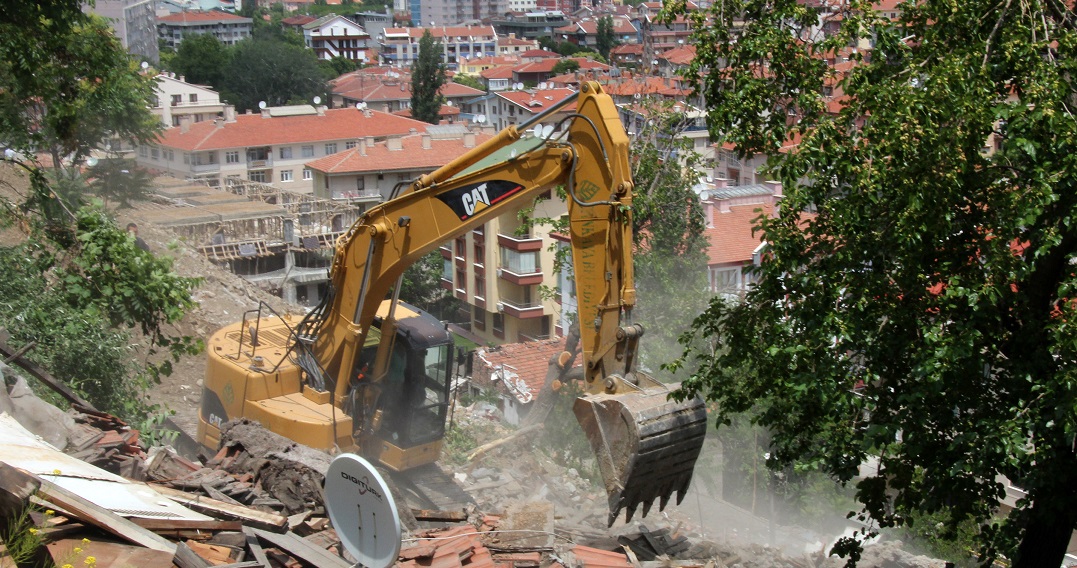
point(646, 445)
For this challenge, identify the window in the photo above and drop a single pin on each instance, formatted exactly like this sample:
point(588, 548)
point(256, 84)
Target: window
point(446, 270)
point(480, 286)
point(286, 153)
point(177, 100)
point(461, 281)
point(286, 175)
point(307, 174)
point(331, 148)
point(155, 153)
point(258, 176)
point(499, 325)
point(478, 318)
point(186, 158)
point(231, 157)
point(461, 247)
point(519, 262)
point(193, 97)
point(170, 155)
point(726, 280)
point(307, 151)
point(480, 247)
point(142, 151)
point(360, 184)
point(349, 144)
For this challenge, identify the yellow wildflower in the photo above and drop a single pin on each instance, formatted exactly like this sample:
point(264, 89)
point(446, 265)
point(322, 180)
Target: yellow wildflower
point(85, 541)
point(49, 512)
point(78, 549)
point(67, 566)
point(33, 531)
point(90, 561)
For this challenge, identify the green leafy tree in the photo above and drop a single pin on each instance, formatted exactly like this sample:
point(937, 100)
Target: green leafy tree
point(274, 72)
point(605, 40)
point(202, 59)
point(337, 66)
point(78, 285)
point(668, 228)
point(421, 287)
point(427, 78)
point(69, 86)
point(565, 66)
point(468, 81)
point(922, 313)
point(120, 180)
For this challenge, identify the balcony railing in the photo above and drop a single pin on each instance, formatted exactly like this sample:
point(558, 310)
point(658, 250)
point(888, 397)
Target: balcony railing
point(520, 310)
point(520, 277)
point(526, 243)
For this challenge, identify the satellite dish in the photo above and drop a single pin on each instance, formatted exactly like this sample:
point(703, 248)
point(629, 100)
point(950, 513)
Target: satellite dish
point(91, 162)
point(537, 131)
point(636, 96)
point(9, 154)
point(448, 103)
point(480, 119)
point(261, 104)
point(145, 65)
point(547, 131)
point(363, 511)
point(317, 100)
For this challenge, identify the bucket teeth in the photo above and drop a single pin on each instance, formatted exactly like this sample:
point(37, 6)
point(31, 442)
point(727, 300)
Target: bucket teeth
point(646, 446)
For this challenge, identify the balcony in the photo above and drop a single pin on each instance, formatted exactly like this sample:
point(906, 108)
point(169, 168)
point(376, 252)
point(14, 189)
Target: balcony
point(446, 253)
point(520, 277)
point(526, 243)
point(520, 310)
point(447, 284)
point(252, 164)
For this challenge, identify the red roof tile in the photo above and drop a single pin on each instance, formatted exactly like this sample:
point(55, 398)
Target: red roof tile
point(253, 129)
point(731, 239)
point(192, 16)
point(380, 158)
point(536, 101)
point(596, 558)
point(540, 53)
point(521, 367)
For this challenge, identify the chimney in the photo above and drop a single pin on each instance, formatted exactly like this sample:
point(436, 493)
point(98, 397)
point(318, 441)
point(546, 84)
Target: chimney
point(394, 144)
point(321, 109)
point(426, 141)
point(775, 188)
point(182, 79)
point(185, 123)
point(265, 113)
point(229, 113)
point(218, 122)
point(723, 205)
point(469, 140)
point(720, 182)
point(362, 146)
point(708, 213)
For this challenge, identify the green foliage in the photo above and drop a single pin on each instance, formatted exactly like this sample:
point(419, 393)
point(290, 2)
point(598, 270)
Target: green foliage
point(119, 179)
point(337, 66)
point(458, 443)
point(427, 78)
point(421, 287)
point(272, 71)
point(68, 85)
point(202, 59)
point(605, 40)
point(468, 81)
point(565, 66)
point(20, 538)
point(593, 56)
point(568, 49)
point(935, 535)
point(562, 437)
point(923, 314)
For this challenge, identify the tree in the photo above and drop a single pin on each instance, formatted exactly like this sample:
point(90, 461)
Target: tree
point(922, 313)
point(202, 59)
point(119, 179)
point(78, 285)
point(69, 86)
point(468, 81)
point(565, 66)
point(605, 40)
point(668, 228)
point(421, 287)
point(274, 72)
point(337, 66)
point(427, 78)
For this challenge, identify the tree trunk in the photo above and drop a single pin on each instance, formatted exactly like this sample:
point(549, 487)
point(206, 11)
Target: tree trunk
point(1052, 517)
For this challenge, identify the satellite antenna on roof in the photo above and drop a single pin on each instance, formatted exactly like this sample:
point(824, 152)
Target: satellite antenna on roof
point(360, 105)
point(448, 103)
point(262, 105)
point(480, 119)
point(145, 65)
point(317, 100)
point(359, 502)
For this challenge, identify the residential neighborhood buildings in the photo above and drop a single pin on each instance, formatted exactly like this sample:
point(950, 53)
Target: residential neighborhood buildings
point(134, 22)
point(227, 27)
point(178, 101)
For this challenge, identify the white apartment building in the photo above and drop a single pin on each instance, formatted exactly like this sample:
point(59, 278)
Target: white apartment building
point(336, 36)
point(226, 27)
point(178, 101)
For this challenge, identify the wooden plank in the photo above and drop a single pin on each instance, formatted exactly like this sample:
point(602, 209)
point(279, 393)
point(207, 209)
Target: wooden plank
point(186, 524)
point(256, 548)
point(303, 550)
point(445, 516)
point(106, 553)
point(188, 558)
point(268, 521)
point(100, 517)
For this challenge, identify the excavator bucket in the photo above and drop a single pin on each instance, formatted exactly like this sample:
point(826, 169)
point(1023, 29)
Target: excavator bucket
point(646, 445)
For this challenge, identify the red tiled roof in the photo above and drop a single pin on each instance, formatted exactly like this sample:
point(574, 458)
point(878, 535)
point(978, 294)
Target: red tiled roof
point(298, 20)
point(499, 72)
point(516, 363)
point(506, 41)
point(680, 55)
point(731, 238)
point(547, 65)
point(539, 101)
point(540, 53)
point(380, 158)
point(356, 87)
point(201, 16)
point(252, 129)
point(628, 49)
point(621, 26)
point(445, 110)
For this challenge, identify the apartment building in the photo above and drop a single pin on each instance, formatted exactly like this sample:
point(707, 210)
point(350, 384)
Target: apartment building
point(272, 147)
point(337, 36)
point(178, 101)
point(366, 173)
point(503, 108)
point(585, 32)
point(400, 46)
point(134, 22)
point(228, 28)
point(733, 245)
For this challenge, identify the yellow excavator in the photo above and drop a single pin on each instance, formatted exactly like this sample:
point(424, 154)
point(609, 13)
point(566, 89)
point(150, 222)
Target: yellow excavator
point(365, 372)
